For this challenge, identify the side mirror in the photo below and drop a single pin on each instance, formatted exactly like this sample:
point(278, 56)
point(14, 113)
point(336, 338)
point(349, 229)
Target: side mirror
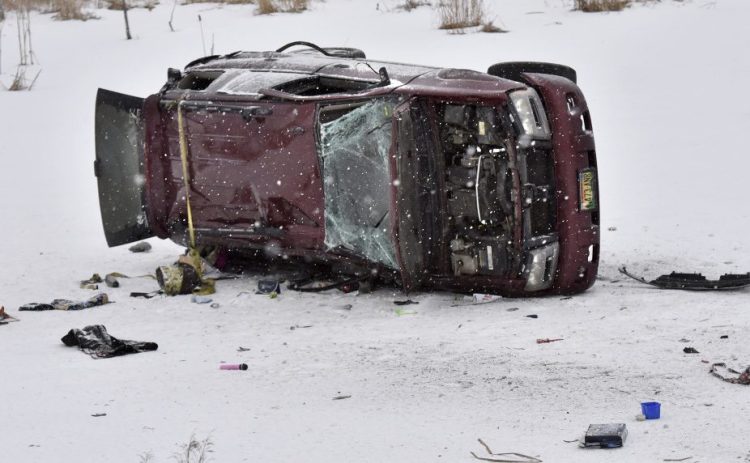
point(173, 76)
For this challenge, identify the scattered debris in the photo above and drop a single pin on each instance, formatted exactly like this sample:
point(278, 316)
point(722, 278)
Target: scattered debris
point(342, 397)
point(147, 295)
point(97, 415)
point(678, 459)
point(95, 341)
point(111, 280)
point(200, 299)
point(607, 436)
point(344, 307)
point(406, 302)
point(548, 340)
point(532, 316)
point(640, 417)
point(694, 281)
point(743, 378)
point(215, 305)
point(143, 246)
point(233, 366)
point(512, 309)
point(684, 340)
point(65, 304)
point(268, 287)
point(91, 283)
point(690, 350)
point(651, 410)
point(612, 229)
point(518, 457)
point(243, 349)
point(5, 318)
point(724, 336)
point(181, 278)
point(295, 327)
point(475, 299)
point(401, 312)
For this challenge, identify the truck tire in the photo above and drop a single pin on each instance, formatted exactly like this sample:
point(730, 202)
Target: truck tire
point(513, 70)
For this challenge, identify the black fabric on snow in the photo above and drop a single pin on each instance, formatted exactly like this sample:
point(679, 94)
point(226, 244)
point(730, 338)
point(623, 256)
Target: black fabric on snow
point(95, 341)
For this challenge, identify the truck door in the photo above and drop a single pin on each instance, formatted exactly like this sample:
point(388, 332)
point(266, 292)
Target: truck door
point(119, 167)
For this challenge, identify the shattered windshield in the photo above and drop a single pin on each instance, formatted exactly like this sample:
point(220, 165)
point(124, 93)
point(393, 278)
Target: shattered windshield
point(354, 146)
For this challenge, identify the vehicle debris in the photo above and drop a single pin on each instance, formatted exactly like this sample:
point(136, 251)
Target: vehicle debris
point(143, 246)
point(268, 287)
point(5, 318)
point(502, 149)
point(694, 281)
point(517, 457)
point(233, 366)
point(475, 299)
point(651, 410)
point(95, 341)
point(606, 436)
point(65, 304)
point(690, 350)
point(91, 283)
point(742, 378)
point(724, 336)
point(243, 349)
point(532, 316)
point(342, 397)
point(149, 295)
point(97, 415)
point(548, 340)
point(111, 280)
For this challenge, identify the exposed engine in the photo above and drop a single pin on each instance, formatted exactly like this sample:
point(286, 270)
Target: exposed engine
point(478, 183)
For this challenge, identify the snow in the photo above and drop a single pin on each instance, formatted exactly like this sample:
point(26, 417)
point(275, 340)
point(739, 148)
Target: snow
point(665, 82)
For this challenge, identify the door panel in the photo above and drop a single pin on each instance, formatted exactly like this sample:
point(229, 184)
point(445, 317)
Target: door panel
point(119, 167)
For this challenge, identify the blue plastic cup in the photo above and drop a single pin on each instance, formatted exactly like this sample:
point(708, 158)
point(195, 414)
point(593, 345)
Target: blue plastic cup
point(651, 410)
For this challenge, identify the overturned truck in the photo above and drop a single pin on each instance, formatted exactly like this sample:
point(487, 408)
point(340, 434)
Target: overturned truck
point(435, 178)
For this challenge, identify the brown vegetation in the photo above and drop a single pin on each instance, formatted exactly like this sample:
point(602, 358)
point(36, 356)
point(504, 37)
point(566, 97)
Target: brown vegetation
point(459, 14)
point(281, 6)
point(596, 6)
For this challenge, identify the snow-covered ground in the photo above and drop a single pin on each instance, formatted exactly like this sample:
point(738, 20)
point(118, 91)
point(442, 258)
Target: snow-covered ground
point(666, 83)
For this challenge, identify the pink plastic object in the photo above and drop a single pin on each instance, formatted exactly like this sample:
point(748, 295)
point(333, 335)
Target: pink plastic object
point(233, 366)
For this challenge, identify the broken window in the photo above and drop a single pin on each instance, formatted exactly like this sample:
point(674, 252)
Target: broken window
point(354, 151)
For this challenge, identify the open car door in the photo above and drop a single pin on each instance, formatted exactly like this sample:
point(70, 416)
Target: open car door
point(119, 167)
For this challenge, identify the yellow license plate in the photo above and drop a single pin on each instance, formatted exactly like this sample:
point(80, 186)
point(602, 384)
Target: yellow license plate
point(587, 190)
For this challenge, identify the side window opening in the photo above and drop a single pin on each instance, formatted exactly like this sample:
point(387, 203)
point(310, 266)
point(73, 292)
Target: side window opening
point(319, 85)
point(198, 80)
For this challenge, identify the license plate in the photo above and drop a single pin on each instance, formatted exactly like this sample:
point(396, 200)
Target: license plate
point(587, 199)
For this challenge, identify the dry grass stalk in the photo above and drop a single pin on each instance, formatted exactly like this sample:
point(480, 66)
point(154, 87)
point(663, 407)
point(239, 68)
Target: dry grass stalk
point(459, 14)
point(71, 10)
point(596, 6)
point(281, 6)
point(491, 28)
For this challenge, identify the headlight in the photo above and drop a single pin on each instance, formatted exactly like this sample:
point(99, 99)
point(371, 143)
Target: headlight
point(529, 108)
point(542, 265)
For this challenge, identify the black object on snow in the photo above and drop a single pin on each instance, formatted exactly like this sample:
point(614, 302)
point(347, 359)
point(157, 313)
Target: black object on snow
point(694, 281)
point(606, 436)
point(143, 246)
point(406, 302)
point(690, 350)
point(95, 341)
point(65, 304)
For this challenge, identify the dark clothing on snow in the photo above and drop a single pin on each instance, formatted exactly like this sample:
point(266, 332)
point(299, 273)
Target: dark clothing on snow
point(95, 341)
